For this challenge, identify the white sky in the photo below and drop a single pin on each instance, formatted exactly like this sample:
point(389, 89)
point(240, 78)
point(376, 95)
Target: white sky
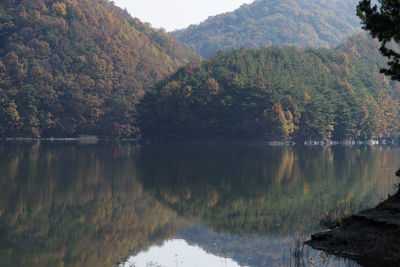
point(177, 14)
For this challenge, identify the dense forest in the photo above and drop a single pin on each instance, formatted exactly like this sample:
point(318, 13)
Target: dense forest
point(70, 68)
point(74, 67)
point(278, 93)
point(300, 23)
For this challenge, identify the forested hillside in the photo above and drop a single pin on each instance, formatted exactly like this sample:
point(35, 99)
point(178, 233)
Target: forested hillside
point(300, 23)
point(74, 67)
point(278, 93)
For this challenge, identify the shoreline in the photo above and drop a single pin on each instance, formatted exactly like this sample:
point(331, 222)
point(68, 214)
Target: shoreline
point(275, 143)
point(371, 237)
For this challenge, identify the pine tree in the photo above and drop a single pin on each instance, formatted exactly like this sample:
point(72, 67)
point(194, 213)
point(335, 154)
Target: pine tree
point(383, 23)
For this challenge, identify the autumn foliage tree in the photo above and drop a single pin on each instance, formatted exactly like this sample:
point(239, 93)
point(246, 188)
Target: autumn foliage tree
point(277, 93)
point(72, 67)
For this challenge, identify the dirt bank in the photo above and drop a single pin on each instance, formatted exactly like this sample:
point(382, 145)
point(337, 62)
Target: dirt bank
point(372, 237)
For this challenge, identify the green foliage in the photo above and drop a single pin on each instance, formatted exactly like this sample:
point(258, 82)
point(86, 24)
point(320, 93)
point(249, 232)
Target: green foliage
point(77, 67)
point(383, 23)
point(300, 23)
point(277, 93)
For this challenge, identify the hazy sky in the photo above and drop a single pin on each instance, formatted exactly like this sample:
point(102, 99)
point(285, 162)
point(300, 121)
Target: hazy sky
point(177, 14)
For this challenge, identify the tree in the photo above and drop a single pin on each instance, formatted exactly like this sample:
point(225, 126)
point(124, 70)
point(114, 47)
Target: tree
point(383, 22)
point(63, 76)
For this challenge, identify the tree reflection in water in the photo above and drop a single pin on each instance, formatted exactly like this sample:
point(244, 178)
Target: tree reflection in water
point(71, 205)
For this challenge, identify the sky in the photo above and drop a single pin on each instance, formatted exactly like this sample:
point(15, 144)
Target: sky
point(177, 14)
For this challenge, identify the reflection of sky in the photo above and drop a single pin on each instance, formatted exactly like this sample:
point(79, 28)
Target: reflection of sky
point(246, 250)
point(264, 251)
point(261, 251)
point(178, 253)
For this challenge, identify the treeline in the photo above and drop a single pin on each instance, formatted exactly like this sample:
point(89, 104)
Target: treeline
point(70, 67)
point(300, 23)
point(278, 93)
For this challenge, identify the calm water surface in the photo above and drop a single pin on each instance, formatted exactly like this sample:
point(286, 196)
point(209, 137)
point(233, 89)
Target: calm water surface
point(66, 204)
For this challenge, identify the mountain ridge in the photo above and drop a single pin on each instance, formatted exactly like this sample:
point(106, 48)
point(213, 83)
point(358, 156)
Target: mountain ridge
point(315, 23)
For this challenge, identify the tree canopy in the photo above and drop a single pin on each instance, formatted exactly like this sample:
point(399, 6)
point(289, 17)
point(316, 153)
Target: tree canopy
point(278, 93)
point(383, 22)
point(300, 23)
point(77, 67)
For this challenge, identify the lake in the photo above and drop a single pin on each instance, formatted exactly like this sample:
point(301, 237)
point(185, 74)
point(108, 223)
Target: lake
point(109, 204)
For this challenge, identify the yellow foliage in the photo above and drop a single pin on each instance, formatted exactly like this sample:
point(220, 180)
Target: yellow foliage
point(284, 120)
point(13, 112)
point(169, 88)
point(307, 97)
point(288, 115)
point(59, 9)
point(36, 15)
point(187, 91)
point(210, 88)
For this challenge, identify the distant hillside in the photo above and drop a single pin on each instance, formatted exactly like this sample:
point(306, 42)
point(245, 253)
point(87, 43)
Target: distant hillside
point(278, 93)
point(74, 67)
point(300, 23)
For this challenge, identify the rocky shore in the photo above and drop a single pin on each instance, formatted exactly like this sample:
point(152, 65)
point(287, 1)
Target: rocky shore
point(371, 238)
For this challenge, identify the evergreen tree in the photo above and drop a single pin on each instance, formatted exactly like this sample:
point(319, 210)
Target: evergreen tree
point(383, 22)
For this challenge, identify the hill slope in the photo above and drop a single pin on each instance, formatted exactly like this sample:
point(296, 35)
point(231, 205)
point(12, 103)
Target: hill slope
point(300, 23)
point(74, 67)
point(278, 93)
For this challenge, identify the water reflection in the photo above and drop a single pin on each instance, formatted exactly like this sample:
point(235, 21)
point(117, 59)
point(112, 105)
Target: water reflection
point(268, 191)
point(178, 252)
point(71, 205)
point(67, 205)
